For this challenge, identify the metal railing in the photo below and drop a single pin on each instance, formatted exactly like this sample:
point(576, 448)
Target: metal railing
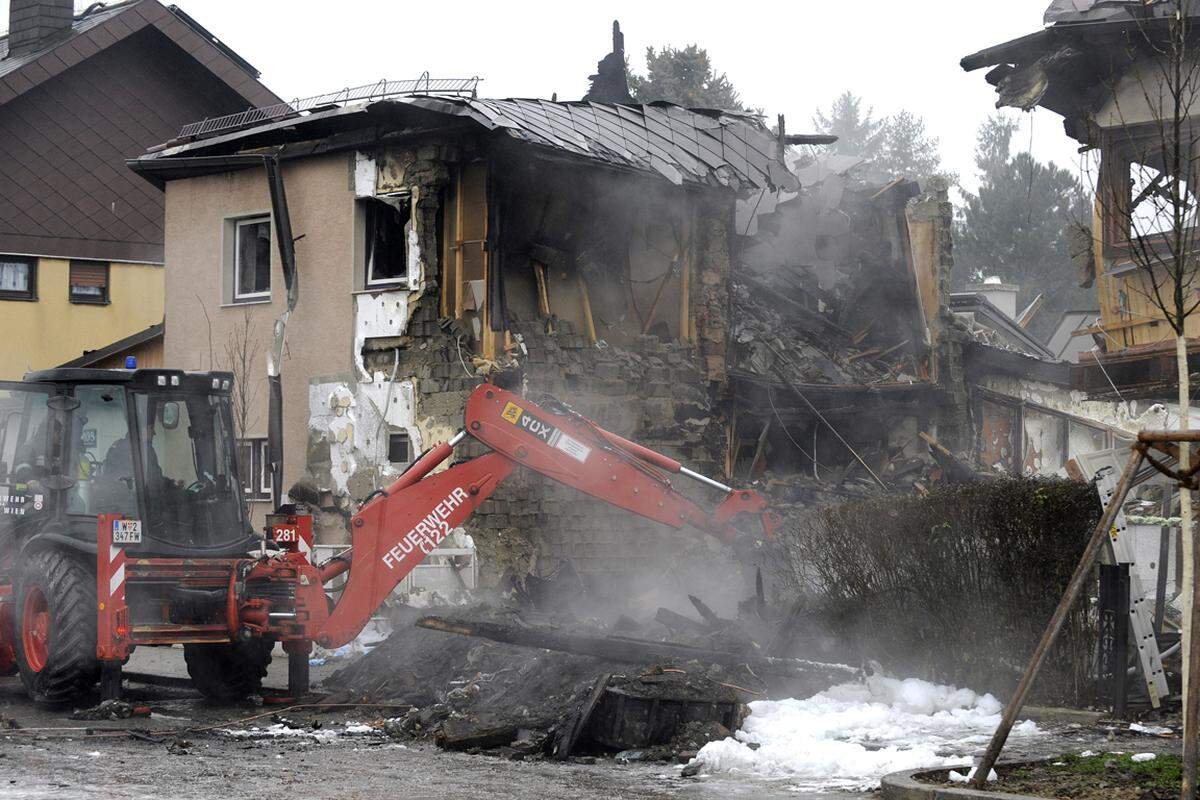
point(320, 102)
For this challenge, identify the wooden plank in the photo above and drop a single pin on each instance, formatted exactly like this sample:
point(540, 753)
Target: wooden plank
point(467, 735)
point(679, 622)
point(710, 616)
point(562, 750)
point(636, 651)
point(758, 463)
point(585, 307)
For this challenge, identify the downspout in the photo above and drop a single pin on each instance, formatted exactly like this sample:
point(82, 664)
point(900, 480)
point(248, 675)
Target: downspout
point(291, 281)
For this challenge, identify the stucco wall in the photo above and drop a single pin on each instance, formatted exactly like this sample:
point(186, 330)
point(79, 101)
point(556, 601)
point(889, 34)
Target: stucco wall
point(52, 330)
point(1140, 96)
point(320, 335)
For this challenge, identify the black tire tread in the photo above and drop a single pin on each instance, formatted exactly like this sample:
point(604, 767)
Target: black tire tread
point(227, 673)
point(70, 588)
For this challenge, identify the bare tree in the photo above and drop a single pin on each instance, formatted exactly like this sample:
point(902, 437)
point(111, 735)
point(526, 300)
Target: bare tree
point(1146, 196)
point(242, 356)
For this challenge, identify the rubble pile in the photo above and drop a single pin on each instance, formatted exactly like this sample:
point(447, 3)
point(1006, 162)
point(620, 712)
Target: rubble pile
point(768, 323)
point(479, 695)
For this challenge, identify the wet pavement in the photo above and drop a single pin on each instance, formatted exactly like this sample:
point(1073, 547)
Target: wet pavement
point(52, 756)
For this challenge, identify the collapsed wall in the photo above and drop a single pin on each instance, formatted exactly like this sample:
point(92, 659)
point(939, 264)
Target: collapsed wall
point(643, 355)
point(807, 355)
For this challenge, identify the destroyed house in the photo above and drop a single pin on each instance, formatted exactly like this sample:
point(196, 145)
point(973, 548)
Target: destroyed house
point(852, 363)
point(1093, 63)
point(1097, 64)
point(581, 249)
point(81, 238)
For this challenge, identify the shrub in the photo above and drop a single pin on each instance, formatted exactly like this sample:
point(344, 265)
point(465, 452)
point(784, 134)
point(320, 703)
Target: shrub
point(956, 586)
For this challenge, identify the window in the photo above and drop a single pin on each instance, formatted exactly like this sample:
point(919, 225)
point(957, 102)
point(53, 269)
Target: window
point(101, 453)
point(252, 259)
point(399, 448)
point(89, 282)
point(254, 469)
point(387, 223)
point(18, 278)
point(23, 415)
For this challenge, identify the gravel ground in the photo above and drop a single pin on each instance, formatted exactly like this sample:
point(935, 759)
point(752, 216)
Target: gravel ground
point(52, 756)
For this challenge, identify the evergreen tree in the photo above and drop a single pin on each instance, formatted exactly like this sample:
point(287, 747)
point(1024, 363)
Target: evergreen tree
point(859, 134)
point(685, 77)
point(906, 150)
point(896, 146)
point(1017, 225)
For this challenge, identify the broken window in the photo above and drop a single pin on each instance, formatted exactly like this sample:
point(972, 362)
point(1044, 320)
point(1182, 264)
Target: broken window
point(998, 422)
point(89, 282)
point(399, 448)
point(1141, 196)
point(1086, 439)
point(252, 259)
point(18, 278)
point(1045, 443)
point(253, 469)
point(1153, 203)
point(387, 223)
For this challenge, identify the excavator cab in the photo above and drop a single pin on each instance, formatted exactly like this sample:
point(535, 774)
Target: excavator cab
point(153, 445)
point(155, 450)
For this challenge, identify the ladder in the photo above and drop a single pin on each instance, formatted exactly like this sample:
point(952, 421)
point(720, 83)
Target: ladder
point(1106, 466)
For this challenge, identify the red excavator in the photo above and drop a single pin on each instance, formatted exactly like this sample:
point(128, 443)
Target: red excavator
point(123, 523)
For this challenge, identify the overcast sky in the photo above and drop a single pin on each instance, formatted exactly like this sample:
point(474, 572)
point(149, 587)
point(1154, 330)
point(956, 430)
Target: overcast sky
point(785, 57)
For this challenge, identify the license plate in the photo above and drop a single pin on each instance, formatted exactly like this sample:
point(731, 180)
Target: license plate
point(127, 531)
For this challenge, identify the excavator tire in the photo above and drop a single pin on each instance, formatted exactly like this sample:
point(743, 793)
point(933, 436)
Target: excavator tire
point(227, 673)
point(55, 622)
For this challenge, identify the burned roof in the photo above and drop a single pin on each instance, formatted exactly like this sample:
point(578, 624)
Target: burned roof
point(1064, 66)
point(698, 147)
point(1072, 11)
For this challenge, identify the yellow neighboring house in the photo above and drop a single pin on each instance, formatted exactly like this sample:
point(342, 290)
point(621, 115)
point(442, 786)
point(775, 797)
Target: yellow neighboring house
point(54, 311)
point(81, 236)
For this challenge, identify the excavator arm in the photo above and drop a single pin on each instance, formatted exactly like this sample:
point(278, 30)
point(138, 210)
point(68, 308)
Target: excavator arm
point(398, 526)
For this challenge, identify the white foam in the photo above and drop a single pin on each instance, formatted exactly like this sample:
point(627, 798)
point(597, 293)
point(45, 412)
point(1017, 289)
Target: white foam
point(320, 735)
point(851, 735)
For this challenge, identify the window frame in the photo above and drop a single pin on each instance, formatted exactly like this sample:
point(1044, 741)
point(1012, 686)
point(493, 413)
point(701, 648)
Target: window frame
point(104, 299)
point(1018, 408)
point(368, 246)
point(236, 264)
point(256, 487)
point(29, 294)
point(408, 447)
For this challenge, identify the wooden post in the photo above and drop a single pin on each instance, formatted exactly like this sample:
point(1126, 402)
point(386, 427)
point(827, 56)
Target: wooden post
point(760, 451)
point(586, 306)
point(685, 310)
point(1074, 588)
point(539, 274)
point(1191, 708)
point(657, 297)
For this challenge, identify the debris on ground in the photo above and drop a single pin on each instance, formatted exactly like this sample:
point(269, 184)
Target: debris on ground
point(111, 710)
point(660, 696)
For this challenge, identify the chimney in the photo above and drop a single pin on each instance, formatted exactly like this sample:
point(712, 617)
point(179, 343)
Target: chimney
point(1002, 295)
point(609, 84)
point(32, 24)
